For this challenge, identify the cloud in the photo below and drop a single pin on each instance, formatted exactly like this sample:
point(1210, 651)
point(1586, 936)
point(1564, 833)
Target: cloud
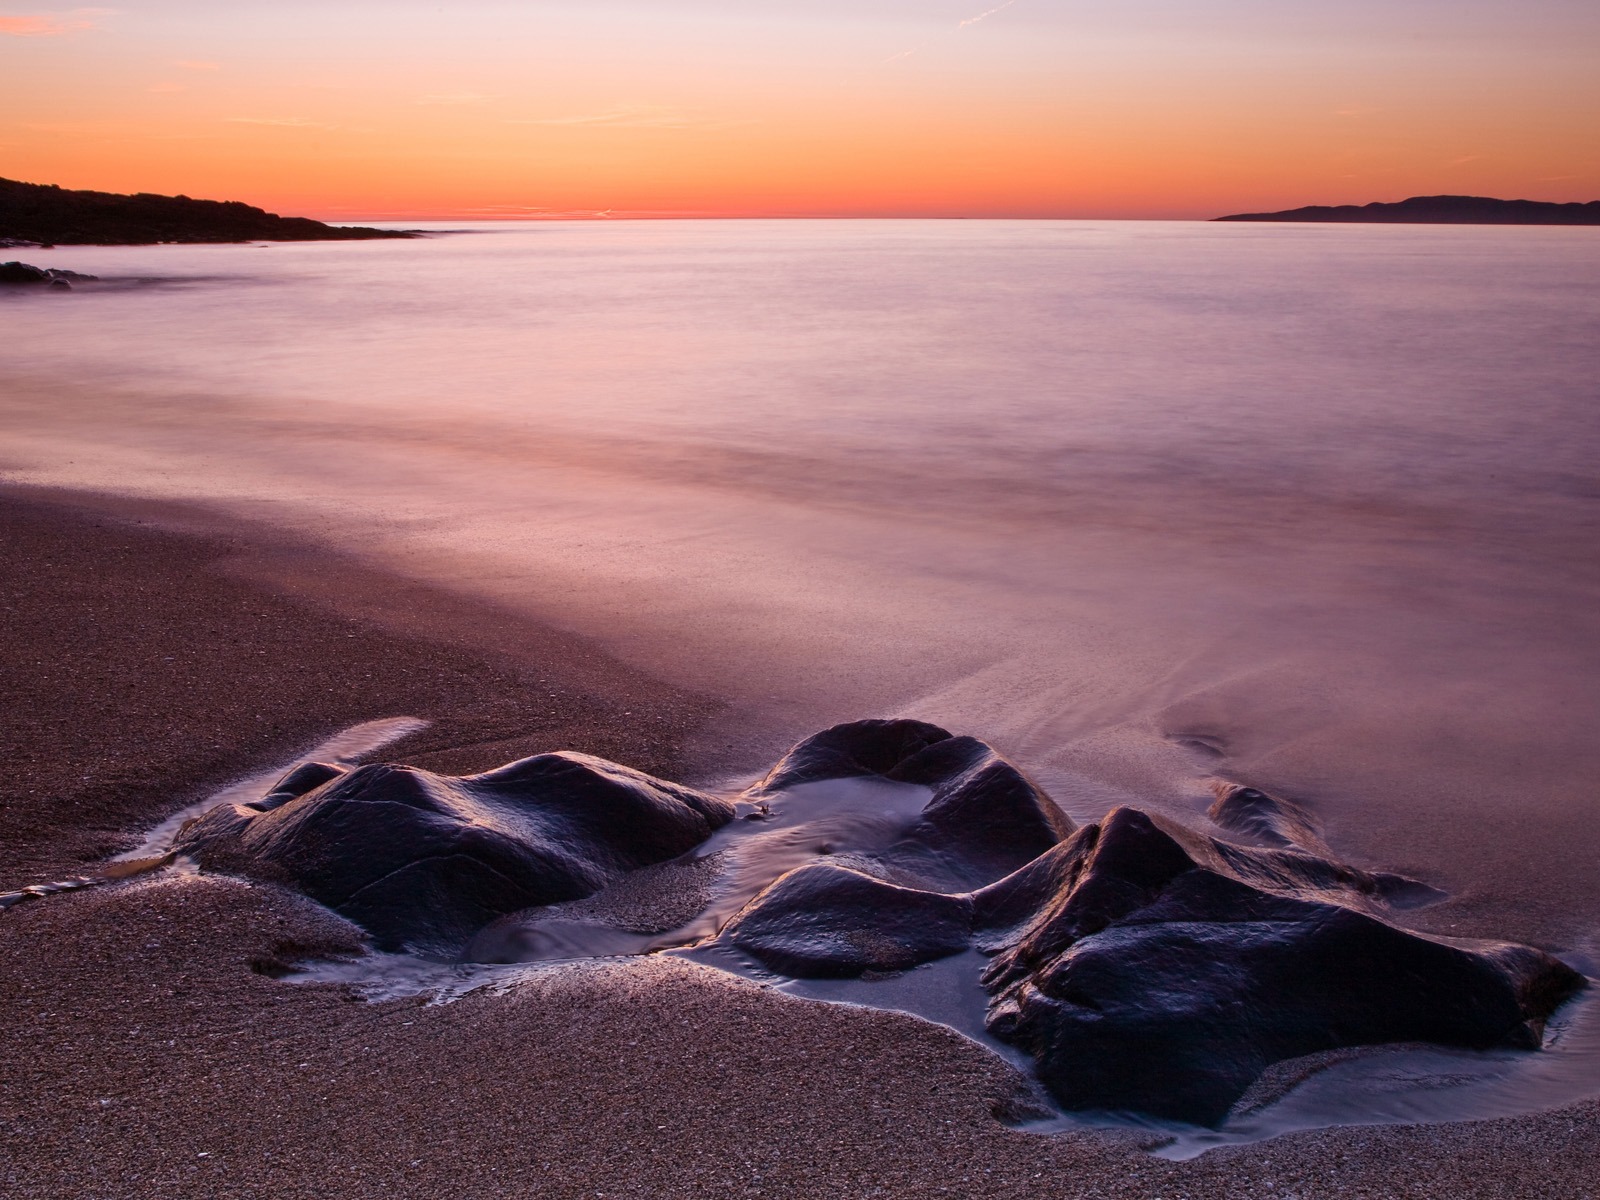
point(959, 25)
point(168, 87)
point(51, 24)
point(629, 116)
point(984, 15)
point(453, 98)
point(1463, 160)
point(193, 64)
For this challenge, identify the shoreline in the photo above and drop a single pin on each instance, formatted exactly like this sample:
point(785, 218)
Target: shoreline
point(149, 1055)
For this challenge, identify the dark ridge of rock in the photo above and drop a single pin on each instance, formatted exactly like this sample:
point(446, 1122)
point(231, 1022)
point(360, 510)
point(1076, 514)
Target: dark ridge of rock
point(44, 214)
point(985, 819)
point(1271, 818)
point(853, 749)
point(423, 861)
point(824, 921)
point(1171, 969)
point(26, 275)
point(1281, 822)
point(297, 782)
point(984, 811)
point(1439, 210)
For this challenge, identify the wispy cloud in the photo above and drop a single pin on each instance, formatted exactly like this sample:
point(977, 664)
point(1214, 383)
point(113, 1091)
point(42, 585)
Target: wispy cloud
point(165, 88)
point(629, 116)
point(985, 15)
point(454, 98)
point(956, 28)
point(195, 64)
point(52, 24)
point(1463, 160)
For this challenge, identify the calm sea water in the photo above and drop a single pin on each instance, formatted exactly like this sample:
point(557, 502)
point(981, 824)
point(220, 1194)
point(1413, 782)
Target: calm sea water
point(1311, 507)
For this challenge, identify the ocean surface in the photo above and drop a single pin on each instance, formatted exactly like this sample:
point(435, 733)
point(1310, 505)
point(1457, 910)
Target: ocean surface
point(1143, 504)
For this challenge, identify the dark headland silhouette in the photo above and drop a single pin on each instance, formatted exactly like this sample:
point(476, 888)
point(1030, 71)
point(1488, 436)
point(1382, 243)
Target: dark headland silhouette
point(47, 214)
point(1440, 210)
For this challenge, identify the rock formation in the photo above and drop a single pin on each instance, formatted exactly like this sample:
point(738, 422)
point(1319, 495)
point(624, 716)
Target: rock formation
point(1147, 967)
point(422, 861)
point(21, 274)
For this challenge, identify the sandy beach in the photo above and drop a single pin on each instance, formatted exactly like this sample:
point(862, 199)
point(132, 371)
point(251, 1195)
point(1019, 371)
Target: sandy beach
point(150, 1049)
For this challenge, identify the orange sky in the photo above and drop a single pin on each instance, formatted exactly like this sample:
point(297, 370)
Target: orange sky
point(743, 107)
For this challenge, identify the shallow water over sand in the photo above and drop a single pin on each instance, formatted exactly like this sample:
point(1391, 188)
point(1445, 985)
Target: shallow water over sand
point(1309, 507)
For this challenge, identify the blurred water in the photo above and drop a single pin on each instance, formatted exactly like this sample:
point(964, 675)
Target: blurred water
point(1107, 494)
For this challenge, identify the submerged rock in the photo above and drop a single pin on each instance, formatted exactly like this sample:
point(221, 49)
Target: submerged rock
point(1146, 967)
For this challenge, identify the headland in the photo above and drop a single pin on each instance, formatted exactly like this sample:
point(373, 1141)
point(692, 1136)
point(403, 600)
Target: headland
point(1438, 210)
point(43, 214)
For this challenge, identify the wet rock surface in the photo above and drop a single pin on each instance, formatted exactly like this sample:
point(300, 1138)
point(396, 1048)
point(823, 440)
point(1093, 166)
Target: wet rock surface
point(1146, 967)
point(422, 861)
point(1163, 970)
point(21, 274)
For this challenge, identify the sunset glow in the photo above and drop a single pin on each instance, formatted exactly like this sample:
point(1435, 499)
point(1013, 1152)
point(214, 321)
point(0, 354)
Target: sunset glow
point(884, 107)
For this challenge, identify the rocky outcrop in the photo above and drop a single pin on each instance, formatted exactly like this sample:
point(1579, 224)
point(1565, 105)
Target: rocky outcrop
point(1161, 970)
point(985, 818)
point(819, 922)
point(422, 861)
point(21, 274)
point(1145, 966)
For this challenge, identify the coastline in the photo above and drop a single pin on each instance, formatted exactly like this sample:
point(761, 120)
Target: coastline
point(146, 1057)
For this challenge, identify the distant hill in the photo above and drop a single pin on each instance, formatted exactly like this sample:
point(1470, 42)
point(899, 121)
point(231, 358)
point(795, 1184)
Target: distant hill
point(44, 213)
point(1441, 210)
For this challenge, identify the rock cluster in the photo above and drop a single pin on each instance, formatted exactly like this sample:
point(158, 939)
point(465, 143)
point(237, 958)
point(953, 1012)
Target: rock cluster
point(22, 274)
point(1147, 967)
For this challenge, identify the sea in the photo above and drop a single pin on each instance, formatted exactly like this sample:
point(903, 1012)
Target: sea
point(1144, 504)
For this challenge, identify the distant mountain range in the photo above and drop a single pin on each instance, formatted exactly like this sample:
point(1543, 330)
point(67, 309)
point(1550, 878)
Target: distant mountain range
point(46, 214)
point(1441, 210)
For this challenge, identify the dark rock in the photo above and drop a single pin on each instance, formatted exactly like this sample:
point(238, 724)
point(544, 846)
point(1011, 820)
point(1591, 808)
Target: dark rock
point(26, 275)
point(854, 749)
point(985, 819)
point(824, 921)
point(984, 811)
point(422, 860)
point(1275, 820)
point(297, 782)
point(1169, 969)
point(21, 272)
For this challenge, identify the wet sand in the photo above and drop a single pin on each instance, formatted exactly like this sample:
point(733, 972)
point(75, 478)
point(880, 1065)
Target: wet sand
point(148, 1050)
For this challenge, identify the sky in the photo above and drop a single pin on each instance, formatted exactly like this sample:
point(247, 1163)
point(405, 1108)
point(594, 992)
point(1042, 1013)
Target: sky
point(347, 109)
